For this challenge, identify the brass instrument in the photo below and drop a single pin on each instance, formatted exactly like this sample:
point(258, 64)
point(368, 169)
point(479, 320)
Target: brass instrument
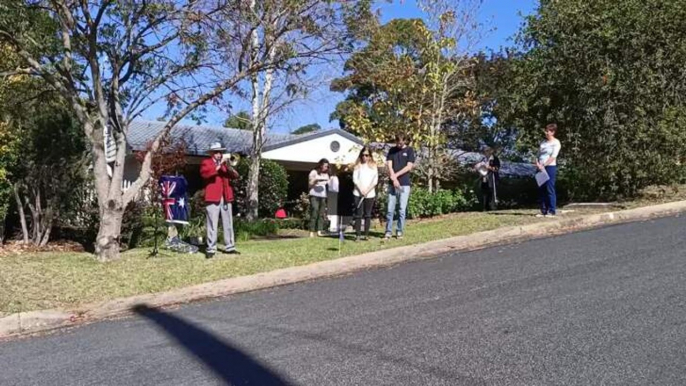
point(233, 158)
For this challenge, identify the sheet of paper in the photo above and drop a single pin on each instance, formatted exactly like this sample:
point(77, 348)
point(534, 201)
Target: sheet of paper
point(542, 177)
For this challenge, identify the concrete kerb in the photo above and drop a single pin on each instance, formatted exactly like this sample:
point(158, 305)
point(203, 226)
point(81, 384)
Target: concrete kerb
point(38, 321)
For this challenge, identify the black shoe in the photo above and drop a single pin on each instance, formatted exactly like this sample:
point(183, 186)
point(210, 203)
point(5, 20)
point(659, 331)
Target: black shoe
point(209, 255)
point(231, 252)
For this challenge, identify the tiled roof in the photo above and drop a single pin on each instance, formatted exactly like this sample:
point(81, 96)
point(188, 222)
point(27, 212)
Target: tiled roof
point(468, 159)
point(198, 138)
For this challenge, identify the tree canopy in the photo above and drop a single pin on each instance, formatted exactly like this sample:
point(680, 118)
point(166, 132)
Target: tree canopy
point(612, 75)
point(241, 121)
point(312, 127)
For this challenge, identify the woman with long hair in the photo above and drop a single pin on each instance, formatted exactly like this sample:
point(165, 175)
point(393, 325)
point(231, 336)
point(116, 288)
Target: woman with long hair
point(365, 178)
point(318, 179)
point(547, 161)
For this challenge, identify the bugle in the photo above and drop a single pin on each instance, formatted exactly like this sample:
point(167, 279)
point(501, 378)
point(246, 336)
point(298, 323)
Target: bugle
point(233, 158)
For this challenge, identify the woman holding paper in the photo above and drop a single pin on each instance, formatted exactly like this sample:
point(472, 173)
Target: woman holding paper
point(547, 163)
point(365, 178)
point(318, 180)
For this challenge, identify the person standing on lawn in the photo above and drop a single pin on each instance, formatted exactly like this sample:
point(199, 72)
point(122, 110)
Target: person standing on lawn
point(399, 162)
point(365, 178)
point(490, 180)
point(547, 161)
point(217, 175)
point(318, 180)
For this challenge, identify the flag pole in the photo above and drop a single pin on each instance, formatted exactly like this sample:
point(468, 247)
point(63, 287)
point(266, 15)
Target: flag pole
point(340, 235)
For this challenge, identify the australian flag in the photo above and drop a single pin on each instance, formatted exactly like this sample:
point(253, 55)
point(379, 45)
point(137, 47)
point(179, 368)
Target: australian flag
point(174, 199)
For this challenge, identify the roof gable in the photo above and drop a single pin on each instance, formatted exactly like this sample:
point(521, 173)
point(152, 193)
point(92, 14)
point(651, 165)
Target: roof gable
point(337, 146)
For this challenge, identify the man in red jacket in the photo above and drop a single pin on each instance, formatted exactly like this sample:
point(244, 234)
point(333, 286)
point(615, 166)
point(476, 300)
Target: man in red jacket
point(217, 175)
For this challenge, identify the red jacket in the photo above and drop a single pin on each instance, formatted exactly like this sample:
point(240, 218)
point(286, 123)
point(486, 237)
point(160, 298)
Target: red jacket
point(217, 182)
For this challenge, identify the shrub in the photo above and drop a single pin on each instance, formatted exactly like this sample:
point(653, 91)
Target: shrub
point(244, 230)
point(273, 187)
point(425, 204)
point(300, 210)
point(290, 223)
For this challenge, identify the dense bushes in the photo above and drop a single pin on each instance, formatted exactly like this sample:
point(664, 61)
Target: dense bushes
point(614, 84)
point(422, 203)
point(273, 187)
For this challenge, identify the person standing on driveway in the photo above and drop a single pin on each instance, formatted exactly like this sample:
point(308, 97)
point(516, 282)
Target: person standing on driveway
point(399, 162)
point(547, 160)
point(217, 176)
point(318, 180)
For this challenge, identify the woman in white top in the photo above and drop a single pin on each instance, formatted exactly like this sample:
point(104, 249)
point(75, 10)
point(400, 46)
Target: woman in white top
point(547, 160)
point(365, 178)
point(318, 179)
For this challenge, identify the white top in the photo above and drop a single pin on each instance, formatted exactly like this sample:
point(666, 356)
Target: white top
point(319, 180)
point(363, 177)
point(333, 184)
point(549, 149)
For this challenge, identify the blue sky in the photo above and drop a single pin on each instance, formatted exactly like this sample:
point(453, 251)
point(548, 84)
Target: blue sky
point(501, 19)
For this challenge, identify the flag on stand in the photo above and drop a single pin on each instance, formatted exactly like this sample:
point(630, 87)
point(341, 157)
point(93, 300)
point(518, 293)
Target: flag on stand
point(174, 199)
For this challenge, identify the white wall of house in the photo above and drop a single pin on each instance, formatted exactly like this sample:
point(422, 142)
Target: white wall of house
point(311, 151)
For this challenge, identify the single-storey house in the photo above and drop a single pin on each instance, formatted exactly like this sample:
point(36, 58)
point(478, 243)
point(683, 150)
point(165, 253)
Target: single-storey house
point(298, 154)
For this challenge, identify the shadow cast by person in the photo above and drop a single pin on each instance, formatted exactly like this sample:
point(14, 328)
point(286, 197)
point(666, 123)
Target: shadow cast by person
point(525, 214)
point(227, 362)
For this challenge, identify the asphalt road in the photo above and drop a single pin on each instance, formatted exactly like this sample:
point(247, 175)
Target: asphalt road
point(594, 308)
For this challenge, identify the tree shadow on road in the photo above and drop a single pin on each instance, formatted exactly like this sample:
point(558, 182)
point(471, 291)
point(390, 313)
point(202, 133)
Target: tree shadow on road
point(227, 362)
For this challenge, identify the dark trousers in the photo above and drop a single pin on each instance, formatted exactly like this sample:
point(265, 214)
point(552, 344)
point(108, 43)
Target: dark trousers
point(546, 192)
point(488, 196)
point(317, 211)
point(364, 209)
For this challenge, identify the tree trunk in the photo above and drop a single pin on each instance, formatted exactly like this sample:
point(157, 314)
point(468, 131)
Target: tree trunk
point(47, 229)
point(2, 231)
point(22, 215)
point(253, 188)
point(107, 243)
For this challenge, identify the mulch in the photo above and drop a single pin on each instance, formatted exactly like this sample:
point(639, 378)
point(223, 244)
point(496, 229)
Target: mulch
point(14, 247)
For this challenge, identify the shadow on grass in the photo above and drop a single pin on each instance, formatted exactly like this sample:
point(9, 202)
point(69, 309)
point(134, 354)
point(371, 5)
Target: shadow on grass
point(227, 362)
point(525, 214)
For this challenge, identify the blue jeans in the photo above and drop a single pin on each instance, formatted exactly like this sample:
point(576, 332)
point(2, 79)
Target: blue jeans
point(546, 192)
point(393, 193)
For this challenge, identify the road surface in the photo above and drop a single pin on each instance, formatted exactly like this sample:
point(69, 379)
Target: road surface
point(605, 307)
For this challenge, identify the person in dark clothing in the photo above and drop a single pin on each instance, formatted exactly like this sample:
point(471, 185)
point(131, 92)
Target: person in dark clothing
point(399, 163)
point(489, 181)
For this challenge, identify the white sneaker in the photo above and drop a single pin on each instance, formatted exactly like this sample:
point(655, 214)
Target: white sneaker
point(550, 216)
point(541, 215)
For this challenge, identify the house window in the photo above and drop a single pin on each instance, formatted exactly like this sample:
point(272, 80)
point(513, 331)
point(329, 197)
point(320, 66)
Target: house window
point(335, 146)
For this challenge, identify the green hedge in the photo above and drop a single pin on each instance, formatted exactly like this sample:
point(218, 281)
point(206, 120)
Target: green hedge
point(273, 187)
point(422, 203)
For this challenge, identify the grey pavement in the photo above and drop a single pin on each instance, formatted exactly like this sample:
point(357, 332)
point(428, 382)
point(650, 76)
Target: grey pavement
point(603, 307)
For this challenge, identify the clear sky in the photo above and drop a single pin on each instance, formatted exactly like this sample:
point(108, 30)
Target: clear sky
point(500, 18)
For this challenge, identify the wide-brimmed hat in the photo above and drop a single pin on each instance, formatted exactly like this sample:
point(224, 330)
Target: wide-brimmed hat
point(216, 146)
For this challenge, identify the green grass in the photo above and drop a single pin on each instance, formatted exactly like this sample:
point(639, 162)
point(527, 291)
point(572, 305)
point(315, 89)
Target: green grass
point(54, 280)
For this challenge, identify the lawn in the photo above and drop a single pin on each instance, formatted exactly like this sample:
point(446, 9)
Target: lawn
point(56, 280)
